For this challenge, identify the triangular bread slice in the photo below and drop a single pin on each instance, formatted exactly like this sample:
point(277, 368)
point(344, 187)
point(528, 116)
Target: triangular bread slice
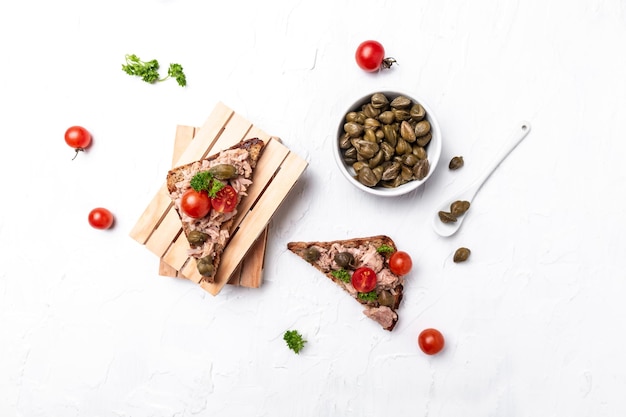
point(373, 252)
point(215, 226)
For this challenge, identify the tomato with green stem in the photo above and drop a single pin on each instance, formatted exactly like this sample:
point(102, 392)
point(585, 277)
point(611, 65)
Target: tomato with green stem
point(370, 56)
point(78, 138)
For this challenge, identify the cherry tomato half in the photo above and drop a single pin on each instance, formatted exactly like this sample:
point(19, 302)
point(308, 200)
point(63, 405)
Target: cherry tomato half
point(400, 263)
point(196, 204)
point(431, 341)
point(364, 279)
point(370, 56)
point(225, 200)
point(100, 218)
point(78, 138)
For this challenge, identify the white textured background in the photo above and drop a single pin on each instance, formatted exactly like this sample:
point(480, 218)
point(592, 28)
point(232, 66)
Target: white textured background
point(534, 321)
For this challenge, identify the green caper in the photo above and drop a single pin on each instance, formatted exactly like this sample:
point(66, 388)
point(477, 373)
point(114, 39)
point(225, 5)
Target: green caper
point(387, 117)
point(344, 142)
point(385, 298)
point(417, 112)
point(367, 177)
point(353, 129)
point(400, 102)
point(224, 171)
point(458, 208)
point(379, 100)
point(351, 116)
point(447, 217)
point(421, 169)
point(391, 171)
point(407, 132)
point(196, 237)
point(370, 111)
point(345, 260)
point(456, 163)
point(461, 255)
point(311, 254)
point(424, 140)
point(205, 266)
point(422, 128)
point(376, 159)
point(366, 149)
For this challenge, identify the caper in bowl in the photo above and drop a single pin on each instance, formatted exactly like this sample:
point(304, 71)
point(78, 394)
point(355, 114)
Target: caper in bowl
point(388, 143)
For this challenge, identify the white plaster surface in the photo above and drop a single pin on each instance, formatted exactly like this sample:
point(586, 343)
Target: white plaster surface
point(534, 321)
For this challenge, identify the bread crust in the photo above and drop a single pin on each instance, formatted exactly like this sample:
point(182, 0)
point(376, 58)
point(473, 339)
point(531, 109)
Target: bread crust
point(255, 147)
point(299, 249)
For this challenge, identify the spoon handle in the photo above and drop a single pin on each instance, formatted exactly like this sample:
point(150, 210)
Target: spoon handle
point(520, 132)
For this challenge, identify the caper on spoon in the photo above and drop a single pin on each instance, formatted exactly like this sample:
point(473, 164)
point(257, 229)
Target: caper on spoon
point(450, 226)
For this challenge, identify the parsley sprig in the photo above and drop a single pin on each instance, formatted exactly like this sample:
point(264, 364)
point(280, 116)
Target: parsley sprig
point(149, 70)
point(294, 340)
point(385, 249)
point(204, 181)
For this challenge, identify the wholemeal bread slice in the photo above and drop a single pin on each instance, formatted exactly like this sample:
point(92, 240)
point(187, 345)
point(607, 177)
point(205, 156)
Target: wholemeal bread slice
point(209, 235)
point(372, 252)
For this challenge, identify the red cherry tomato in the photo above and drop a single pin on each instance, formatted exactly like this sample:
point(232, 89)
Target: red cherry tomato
point(370, 56)
point(101, 218)
point(225, 200)
point(78, 138)
point(431, 341)
point(364, 279)
point(196, 204)
point(400, 263)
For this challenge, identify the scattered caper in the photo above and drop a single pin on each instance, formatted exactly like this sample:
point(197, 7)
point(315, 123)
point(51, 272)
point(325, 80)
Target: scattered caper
point(345, 260)
point(461, 255)
point(456, 163)
point(311, 254)
point(458, 208)
point(205, 266)
point(223, 171)
point(447, 217)
point(196, 237)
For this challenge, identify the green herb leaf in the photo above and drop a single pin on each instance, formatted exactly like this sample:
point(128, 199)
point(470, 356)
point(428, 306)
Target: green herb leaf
point(294, 340)
point(368, 296)
point(149, 70)
point(176, 71)
point(201, 181)
point(385, 249)
point(216, 185)
point(341, 274)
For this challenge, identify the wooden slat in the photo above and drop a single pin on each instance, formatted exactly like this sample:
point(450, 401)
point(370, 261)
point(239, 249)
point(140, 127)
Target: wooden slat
point(274, 176)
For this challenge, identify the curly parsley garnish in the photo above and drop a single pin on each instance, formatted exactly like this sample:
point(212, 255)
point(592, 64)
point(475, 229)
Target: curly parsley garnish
point(149, 70)
point(204, 181)
point(385, 249)
point(294, 340)
point(341, 274)
point(368, 296)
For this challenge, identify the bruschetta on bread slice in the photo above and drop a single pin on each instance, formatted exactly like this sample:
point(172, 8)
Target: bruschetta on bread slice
point(206, 194)
point(360, 266)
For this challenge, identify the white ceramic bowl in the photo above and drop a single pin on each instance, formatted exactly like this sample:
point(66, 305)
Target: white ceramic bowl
point(433, 148)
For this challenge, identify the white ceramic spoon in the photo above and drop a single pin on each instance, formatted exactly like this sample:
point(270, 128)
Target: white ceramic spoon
point(448, 229)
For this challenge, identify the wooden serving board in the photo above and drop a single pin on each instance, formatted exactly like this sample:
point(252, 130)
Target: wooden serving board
point(277, 171)
point(250, 271)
